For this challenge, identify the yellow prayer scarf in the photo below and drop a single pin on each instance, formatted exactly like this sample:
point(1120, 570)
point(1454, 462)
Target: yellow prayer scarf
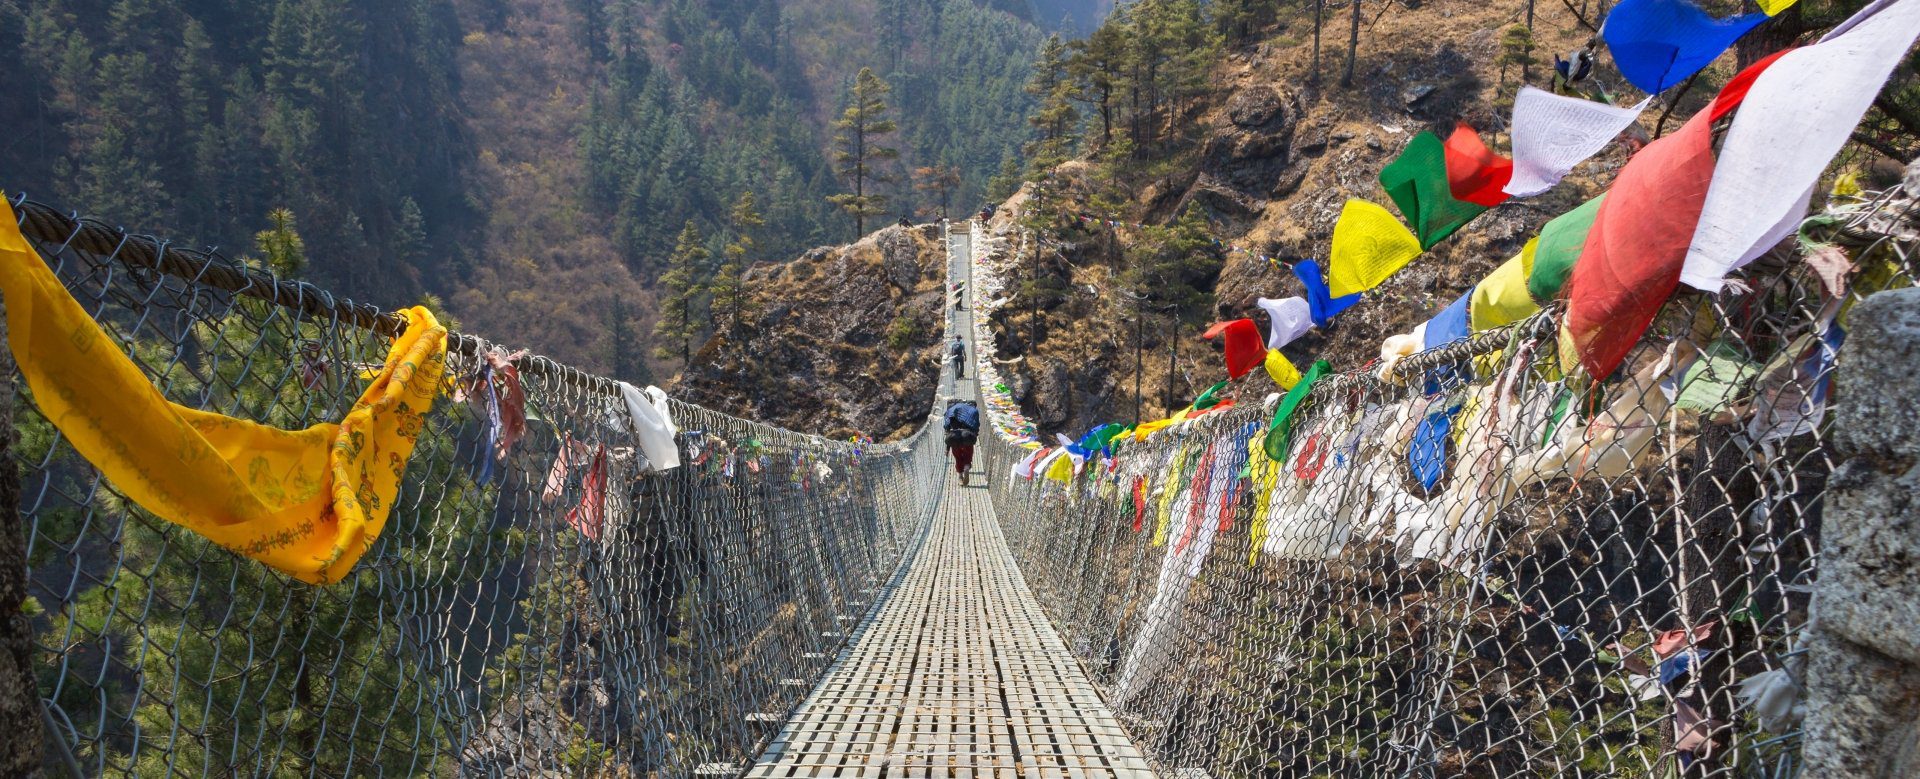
point(1168, 492)
point(307, 502)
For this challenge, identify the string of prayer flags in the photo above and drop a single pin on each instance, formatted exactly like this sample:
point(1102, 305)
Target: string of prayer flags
point(1474, 173)
point(1287, 318)
point(1552, 133)
point(1800, 112)
point(1447, 326)
point(1630, 264)
point(305, 502)
point(1281, 370)
point(1242, 342)
point(1280, 432)
point(1321, 304)
point(1502, 297)
point(1419, 185)
point(1369, 245)
point(1657, 44)
point(1558, 248)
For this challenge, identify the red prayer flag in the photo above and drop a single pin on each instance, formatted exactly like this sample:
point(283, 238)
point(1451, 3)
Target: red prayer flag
point(1631, 262)
point(590, 515)
point(1245, 348)
point(1196, 499)
point(1737, 87)
point(1474, 173)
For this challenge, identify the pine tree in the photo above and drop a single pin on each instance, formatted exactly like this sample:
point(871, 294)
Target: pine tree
point(859, 152)
point(683, 289)
point(941, 181)
point(281, 249)
point(1098, 68)
point(729, 299)
point(1054, 119)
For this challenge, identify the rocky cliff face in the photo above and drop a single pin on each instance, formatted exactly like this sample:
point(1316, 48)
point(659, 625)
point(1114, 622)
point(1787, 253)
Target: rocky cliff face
point(841, 340)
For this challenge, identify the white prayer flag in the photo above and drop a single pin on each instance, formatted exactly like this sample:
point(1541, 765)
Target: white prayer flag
point(1553, 133)
point(1291, 318)
point(1799, 113)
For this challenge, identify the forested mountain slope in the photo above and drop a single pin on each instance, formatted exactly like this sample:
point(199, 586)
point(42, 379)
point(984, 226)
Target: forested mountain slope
point(531, 162)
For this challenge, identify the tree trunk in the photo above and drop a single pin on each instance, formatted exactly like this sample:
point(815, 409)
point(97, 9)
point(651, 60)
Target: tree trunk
point(1313, 75)
point(1353, 46)
point(20, 712)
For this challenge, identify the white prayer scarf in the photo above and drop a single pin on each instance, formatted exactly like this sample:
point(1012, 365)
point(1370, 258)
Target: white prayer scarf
point(1291, 318)
point(1552, 133)
point(1799, 113)
point(652, 425)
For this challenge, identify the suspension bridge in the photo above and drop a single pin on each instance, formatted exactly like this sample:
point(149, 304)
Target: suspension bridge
point(1564, 595)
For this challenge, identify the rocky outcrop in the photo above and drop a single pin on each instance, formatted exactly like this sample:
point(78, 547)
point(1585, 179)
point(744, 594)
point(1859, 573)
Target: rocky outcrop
point(842, 340)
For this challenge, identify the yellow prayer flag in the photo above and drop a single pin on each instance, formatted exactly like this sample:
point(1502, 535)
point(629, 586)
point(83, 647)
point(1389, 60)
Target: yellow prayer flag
point(1774, 7)
point(1502, 298)
point(1369, 245)
point(1061, 469)
point(1145, 429)
point(307, 502)
point(1281, 370)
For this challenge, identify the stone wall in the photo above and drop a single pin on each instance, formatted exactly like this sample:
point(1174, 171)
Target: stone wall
point(1863, 678)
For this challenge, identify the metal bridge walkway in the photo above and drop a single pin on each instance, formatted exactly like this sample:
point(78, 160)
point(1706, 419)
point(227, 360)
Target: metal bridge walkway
point(957, 673)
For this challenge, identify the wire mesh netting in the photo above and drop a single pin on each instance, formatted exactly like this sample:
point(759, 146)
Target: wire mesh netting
point(563, 610)
point(1468, 564)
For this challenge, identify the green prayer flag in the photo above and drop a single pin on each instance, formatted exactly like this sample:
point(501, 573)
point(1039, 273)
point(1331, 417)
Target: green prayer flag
point(1280, 433)
point(1559, 248)
point(1207, 399)
point(1417, 183)
point(1717, 379)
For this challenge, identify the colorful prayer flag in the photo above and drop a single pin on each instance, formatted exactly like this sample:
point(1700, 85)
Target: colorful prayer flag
point(1419, 185)
point(306, 502)
point(1552, 133)
point(1242, 341)
point(1630, 264)
point(1502, 298)
point(1321, 304)
point(1657, 44)
point(1369, 245)
point(1558, 248)
point(1280, 432)
point(1288, 319)
point(1474, 173)
point(1800, 112)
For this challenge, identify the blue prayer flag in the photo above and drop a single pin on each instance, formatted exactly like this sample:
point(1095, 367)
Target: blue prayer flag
point(1320, 300)
point(1659, 43)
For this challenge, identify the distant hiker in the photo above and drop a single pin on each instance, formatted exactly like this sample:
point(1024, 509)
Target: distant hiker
point(905, 222)
point(959, 294)
point(963, 429)
point(986, 212)
point(957, 353)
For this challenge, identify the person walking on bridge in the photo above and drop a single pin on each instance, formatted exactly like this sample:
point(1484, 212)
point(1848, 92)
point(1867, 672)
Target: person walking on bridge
point(963, 429)
point(957, 354)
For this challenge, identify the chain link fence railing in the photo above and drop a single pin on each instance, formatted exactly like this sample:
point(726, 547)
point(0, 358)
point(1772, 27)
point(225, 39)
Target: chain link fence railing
point(561, 612)
point(1469, 565)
